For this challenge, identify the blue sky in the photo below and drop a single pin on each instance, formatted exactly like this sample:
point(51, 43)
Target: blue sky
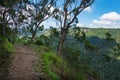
point(101, 8)
point(101, 14)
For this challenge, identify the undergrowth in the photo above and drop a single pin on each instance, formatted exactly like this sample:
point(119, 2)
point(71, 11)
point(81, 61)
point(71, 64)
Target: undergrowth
point(55, 66)
point(49, 61)
point(6, 48)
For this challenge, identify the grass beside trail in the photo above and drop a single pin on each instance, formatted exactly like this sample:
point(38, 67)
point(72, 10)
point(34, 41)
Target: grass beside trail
point(54, 66)
point(6, 49)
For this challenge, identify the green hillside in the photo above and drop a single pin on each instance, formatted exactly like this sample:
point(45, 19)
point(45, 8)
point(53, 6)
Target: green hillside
point(101, 33)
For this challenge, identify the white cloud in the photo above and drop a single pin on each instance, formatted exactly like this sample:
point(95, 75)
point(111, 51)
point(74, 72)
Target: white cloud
point(102, 22)
point(107, 20)
point(49, 23)
point(79, 25)
point(111, 16)
point(88, 9)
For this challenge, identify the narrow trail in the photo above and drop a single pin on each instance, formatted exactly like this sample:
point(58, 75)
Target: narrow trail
point(21, 67)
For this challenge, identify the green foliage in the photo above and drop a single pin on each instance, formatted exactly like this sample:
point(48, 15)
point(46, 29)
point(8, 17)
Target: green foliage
point(79, 34)
point(108, 35)
point(72, 74)
point(6, 48)
point(7, 3)
point(24, 40)
point(96, 56)
point(76, 64)
point(71, 54)
point(39, 14)
point(101, 33)
point(99, 59)
point(78, 59)
point(21, 40)
point(51, 59)
point(89, 46)
point(54, 32)
point(42, 40)
point(116, 50)
point(54, 66)
point(51, 62)
point(9, 33)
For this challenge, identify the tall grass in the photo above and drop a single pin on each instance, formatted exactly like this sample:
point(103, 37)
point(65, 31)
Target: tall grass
point(6, 48)
point(55, 66)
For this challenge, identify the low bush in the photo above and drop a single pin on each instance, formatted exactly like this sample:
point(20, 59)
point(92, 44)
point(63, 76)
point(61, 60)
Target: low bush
point(50, 61)
point(72, 74)
point(49, 65)
point(6, 48)
point(89, 46)
point(71, 54)
point(56, 67)
point(42, 40)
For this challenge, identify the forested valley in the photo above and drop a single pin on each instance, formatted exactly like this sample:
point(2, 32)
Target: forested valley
point(29, 51)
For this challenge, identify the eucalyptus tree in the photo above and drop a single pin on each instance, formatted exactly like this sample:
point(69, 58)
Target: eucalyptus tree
point(9, 14)
point(35, 14)
point(67, 16)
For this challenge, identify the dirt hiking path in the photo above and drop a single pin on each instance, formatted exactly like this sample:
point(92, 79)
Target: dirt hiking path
point(21, 67)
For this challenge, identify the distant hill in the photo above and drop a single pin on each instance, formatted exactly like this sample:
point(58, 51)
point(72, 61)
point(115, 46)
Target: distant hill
point(100, 32)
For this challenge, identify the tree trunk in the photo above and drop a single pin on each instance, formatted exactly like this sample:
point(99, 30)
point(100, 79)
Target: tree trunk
point(62, 39)
point(33, 37)
point(3, 31)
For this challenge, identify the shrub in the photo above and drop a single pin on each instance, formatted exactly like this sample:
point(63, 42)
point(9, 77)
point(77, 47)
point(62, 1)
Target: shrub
point(89, 46)
point(6, 48)
point(72, 74)
point(51, 62)
point(71, 54)
point(57, 67)
point(42, 40)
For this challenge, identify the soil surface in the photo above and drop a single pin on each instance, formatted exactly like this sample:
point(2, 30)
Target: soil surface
point(21, 67)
